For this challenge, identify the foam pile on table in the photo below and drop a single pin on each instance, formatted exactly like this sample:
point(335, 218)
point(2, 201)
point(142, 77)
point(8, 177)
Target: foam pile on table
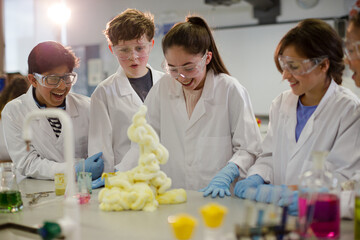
point(145, 186)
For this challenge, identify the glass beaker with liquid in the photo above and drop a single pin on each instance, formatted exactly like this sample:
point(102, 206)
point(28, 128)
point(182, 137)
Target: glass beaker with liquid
point(84, 187)
point(319, 204)
point(60, 184)
point(10, 196)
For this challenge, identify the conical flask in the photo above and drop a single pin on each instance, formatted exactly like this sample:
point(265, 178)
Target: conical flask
point(319, 208)
point(10, 196)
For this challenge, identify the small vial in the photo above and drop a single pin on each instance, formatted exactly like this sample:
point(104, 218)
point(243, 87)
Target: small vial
point(60, 184)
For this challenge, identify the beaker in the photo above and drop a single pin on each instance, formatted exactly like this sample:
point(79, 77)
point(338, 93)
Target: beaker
point(60, 184)
point(84, 187)
point(10, 196)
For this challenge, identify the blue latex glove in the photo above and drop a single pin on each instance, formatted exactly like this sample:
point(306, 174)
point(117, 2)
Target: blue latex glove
point(100, 182)
point(97, 183)
point(220, 184)
point(268, 193)
point(291, 200)
point(250, 182)
point(93, 164)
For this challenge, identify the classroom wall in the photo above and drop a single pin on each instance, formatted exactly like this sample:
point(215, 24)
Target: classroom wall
point(247, 49)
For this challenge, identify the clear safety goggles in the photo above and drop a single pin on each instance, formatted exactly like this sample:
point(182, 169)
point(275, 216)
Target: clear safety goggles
point(299, 66)
point(352, 49)
point(186, 71)
point(135, 51)
point(53, 81)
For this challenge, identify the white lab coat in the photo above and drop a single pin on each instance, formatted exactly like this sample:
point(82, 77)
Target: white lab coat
point(45, 157)
point(222, 128)
point(4, 155)
point(113, 104)
point(333, 127)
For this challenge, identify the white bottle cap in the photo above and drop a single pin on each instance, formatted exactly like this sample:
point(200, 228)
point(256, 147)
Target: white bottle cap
point(319, 160)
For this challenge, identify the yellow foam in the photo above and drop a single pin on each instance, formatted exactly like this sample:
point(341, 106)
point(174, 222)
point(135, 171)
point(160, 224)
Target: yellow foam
point(145, 186)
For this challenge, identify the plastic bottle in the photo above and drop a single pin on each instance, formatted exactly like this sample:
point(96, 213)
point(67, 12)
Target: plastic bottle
point(213, 216)
point(319, 207)
point(183, 225)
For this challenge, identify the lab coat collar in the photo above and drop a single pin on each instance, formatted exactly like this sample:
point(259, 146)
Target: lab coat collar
point(125, 87)
point(207, 94)
point(30, 100)
point(309, 127)
point(329, 92)
point(42, 123)
point(71, 108)
point(124, 84)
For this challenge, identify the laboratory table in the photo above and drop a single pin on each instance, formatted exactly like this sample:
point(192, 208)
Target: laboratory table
point(97, 224)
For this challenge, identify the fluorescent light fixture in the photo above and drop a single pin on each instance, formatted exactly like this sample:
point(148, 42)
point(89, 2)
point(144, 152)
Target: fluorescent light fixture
point(59, 13)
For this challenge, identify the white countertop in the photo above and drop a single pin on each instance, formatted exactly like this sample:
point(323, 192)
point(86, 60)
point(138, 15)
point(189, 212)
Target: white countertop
point(96, 224)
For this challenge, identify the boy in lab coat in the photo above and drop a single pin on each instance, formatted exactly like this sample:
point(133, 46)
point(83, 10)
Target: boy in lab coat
point(51, 76)
point(116, 99)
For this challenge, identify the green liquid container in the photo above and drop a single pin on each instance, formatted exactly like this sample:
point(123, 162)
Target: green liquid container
point(10, 196)
point(10, 201)
point(357, 217)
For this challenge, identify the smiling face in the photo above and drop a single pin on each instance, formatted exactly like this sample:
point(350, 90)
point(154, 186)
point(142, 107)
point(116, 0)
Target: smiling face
point(188, 69)
point(352, 36)
point(135, 64)
point(310, 86)
point(51, 97)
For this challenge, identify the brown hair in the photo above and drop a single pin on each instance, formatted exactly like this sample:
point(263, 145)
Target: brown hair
point(128, 25)
point(195, 36)
point(50, 54)
point(315, 38)
point(355, 20)
point(16, 88)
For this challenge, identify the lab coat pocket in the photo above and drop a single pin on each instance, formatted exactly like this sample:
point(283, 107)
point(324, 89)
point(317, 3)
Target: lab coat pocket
point(212, 154)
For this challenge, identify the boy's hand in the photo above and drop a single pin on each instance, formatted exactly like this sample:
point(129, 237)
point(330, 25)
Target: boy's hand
point(93, 164)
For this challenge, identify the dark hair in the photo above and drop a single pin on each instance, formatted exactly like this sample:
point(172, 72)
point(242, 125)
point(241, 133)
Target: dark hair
point(195, 36)
point(128, 25)
point(50, 54)
point(17, 87)
point(315, 38)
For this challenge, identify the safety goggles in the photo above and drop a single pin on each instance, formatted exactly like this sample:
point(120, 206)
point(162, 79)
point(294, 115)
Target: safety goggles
point(352, 49)
point(299, 66)
point(53, 81)
point(186, 71)
point(135, 51)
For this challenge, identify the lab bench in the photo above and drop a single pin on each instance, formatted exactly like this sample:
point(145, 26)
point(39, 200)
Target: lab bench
point(97, 224)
